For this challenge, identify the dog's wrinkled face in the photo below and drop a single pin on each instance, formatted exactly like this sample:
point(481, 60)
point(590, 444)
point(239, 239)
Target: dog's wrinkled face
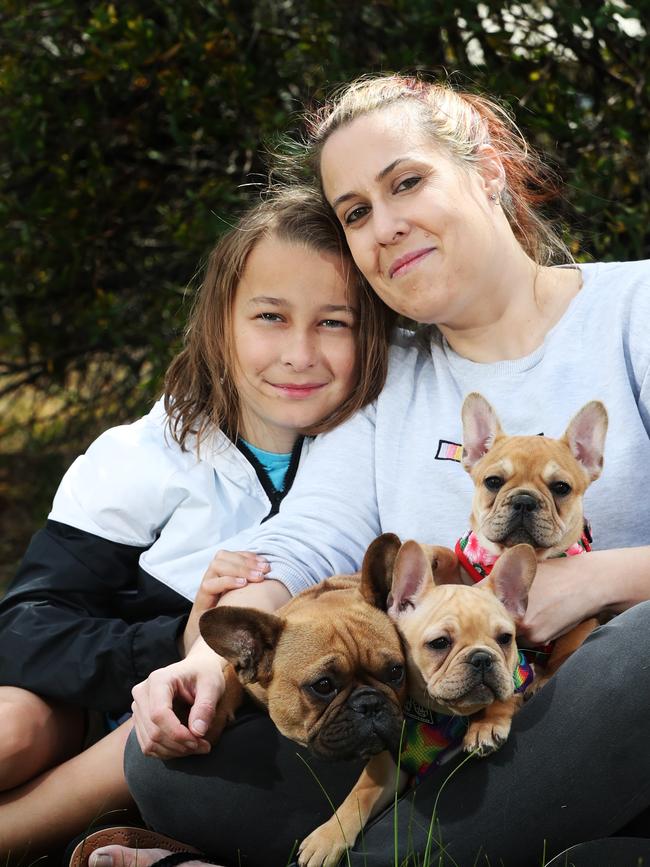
point(329, 665)
point(461, 650)
point(530, 488)
point(339, 679)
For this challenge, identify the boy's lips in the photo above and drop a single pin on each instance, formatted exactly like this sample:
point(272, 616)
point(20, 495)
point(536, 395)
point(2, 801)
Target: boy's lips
point(404, 262)
point(293, 390)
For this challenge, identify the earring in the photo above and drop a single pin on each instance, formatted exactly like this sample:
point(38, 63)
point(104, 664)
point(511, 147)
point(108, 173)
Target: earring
point(494, 198)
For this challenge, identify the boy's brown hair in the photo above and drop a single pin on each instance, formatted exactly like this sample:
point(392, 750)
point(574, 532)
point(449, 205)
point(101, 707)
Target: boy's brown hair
point(200, 394)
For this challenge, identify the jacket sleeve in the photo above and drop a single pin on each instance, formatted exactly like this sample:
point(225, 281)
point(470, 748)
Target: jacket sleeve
point(73, 624)
point(330, 516)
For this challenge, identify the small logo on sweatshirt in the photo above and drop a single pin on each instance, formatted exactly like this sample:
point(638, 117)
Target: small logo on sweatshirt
point(448, 451)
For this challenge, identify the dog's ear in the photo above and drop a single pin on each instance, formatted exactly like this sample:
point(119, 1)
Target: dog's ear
point(585, 436)
point(480, 429)
point(444, 564)
point(377, 569)
point(247, 638)
point(511, 577)
point(411, 574)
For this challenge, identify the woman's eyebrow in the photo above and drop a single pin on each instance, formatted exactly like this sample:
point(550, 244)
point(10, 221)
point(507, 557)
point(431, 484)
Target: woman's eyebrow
point(378, 178)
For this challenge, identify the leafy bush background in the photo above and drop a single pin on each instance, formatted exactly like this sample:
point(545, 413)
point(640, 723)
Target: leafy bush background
point(127, 130)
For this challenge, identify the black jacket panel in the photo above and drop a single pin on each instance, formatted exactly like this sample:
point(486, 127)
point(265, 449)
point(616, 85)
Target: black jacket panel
point(75, 623)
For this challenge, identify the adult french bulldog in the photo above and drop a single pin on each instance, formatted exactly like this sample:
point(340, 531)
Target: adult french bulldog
point(328, 665)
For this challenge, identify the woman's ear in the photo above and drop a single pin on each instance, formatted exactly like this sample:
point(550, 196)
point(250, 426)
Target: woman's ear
point(490, 169)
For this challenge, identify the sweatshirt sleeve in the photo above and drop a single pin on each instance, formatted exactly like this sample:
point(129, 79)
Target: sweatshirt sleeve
point(330, 516)
point(67, 627)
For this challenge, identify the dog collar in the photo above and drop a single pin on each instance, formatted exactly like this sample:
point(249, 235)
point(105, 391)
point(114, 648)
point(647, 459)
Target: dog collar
point(429, 737)
point(478, 562)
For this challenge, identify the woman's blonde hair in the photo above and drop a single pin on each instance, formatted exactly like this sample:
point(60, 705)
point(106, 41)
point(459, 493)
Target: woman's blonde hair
point(200, 393)
point(462, 123)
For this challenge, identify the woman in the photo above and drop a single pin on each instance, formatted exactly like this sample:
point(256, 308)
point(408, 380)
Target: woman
point(436, 192)
point(284, 340)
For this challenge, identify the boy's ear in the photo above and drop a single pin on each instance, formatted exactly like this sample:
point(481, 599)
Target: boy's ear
point(247, 638)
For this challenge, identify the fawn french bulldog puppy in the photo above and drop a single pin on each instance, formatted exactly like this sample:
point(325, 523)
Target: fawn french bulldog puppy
point(530, 489)
point(461, 657)
point(328, 665)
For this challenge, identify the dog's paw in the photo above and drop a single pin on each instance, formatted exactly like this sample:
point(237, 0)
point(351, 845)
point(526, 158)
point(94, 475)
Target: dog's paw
point(484, 737)
point(323, 847)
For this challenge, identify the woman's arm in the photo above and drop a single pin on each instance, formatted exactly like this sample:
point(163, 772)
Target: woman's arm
point(568, 590)
point(330, 515)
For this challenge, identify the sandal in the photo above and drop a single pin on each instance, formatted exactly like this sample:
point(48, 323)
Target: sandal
point(133, 838)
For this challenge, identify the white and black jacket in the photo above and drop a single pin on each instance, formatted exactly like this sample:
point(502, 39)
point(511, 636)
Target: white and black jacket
point(104, 590)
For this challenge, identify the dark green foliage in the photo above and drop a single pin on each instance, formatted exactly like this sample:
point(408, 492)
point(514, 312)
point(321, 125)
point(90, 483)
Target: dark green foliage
point(128, 128)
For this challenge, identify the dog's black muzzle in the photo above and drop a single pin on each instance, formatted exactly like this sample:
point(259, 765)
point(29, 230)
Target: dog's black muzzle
point(368, 723)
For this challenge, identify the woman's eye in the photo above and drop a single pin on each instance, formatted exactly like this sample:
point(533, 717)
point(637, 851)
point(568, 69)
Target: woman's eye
point(355, 215)
point(269, 317)
point(408, 183)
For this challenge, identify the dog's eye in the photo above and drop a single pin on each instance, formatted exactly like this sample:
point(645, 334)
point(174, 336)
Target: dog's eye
point(504, 639)
point(396, 674)
point(324, 688)
point(441, 643)
point(493, 483)
point(560, 489)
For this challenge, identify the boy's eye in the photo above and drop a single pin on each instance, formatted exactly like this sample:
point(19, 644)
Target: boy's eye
point(408, 183)
point(334, 323)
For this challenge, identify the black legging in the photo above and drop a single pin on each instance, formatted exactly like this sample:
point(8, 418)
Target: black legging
point(576, 767)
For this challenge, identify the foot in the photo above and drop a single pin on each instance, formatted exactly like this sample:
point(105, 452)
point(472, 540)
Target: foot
point(122, 856)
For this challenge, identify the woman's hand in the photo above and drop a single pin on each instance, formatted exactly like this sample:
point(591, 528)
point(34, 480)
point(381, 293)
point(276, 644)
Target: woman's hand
point(229, 570)
point(198, 682)
point(568, 590)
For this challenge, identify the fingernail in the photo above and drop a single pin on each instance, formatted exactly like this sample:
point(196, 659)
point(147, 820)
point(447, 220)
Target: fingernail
point(191, 745)
point(200, 726)
point(99, 859)
point(240, 580)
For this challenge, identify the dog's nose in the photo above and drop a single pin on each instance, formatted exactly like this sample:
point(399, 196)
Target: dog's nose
point(367, 701)
point(481, 660)
point(524, 503)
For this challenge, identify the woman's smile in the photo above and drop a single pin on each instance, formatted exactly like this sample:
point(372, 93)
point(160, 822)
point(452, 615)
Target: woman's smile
point(408, 261)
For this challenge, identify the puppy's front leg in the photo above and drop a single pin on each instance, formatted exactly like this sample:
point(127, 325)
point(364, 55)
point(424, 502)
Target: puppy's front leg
point(231, 699)
point(489, 728)
point(373, 791)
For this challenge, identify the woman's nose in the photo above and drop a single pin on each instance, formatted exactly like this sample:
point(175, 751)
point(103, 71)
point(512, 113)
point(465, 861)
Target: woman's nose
point(388, 226)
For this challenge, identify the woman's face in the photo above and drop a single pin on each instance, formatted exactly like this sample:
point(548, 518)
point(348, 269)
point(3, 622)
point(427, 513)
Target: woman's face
point(294, 326)
point(421, 228)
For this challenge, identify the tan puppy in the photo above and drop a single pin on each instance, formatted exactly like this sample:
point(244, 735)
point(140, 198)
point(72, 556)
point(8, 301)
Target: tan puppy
point(530, 489)
point(328, 665)
point(461, 656)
